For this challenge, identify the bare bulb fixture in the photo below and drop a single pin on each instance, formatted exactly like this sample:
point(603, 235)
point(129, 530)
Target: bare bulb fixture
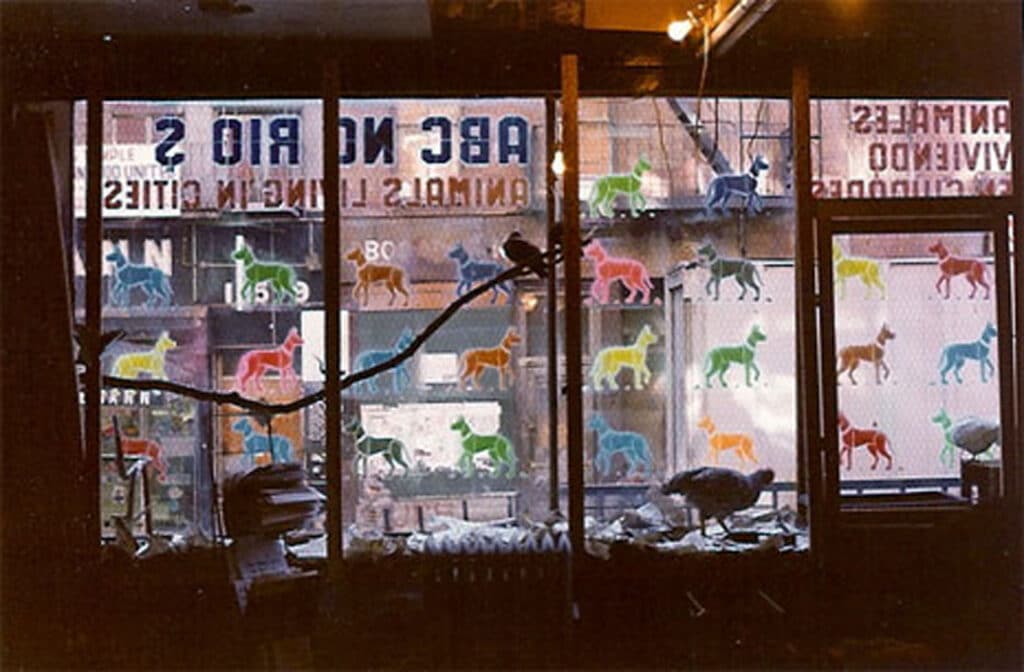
point(678, 30)
point(558, 163)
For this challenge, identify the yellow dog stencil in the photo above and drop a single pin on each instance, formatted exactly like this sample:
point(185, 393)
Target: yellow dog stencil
point(856, 267)
point(611, 360)
point(130, 365)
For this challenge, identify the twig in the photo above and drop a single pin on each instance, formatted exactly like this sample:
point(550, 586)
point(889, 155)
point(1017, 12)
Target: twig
point(265, 408)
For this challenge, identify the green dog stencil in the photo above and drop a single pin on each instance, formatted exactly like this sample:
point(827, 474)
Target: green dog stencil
point(280, 276)
point(720, 359)
point(602, 195)
point(496, 446)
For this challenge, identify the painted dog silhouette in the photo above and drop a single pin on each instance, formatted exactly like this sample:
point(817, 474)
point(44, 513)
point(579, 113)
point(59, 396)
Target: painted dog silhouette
point(722, 187)
point(393, 277)
point(141, 446)
point(851, 437)
point(280, 277)
point(126, 275)
point(605, 189)
point(152, 361)
point(718, 442)
point(972, 269)
point(948, 454)
point(400, 378)
point(743, 270)
point(257, 446)
point(497, 447)
point(477, 360)
point(719, 359)
point(856, 267)
point(254, 364)
point(610, 442)
point(851, 356)
point(607, 270)
point(391, 449)
point(609, 361)
point(475, 270)
point(955, 355)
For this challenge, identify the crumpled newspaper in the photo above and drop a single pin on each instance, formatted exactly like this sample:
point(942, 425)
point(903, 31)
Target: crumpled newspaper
point(453, 536)
point(658, 525)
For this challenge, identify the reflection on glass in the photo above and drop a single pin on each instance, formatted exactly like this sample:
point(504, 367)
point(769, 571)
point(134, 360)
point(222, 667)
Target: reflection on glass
point(688, 323)
point(917, 364)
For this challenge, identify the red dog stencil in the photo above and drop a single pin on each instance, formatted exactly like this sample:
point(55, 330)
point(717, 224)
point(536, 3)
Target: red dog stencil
point(876, 442)
point(949, 266)
point(254, 364)
point(146, 447)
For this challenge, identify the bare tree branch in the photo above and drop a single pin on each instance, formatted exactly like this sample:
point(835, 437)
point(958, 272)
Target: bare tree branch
point(268, 409)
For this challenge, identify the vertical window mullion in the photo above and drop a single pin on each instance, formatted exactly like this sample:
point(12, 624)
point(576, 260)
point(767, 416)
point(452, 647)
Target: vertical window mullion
point(332, 313)
point(90, 339)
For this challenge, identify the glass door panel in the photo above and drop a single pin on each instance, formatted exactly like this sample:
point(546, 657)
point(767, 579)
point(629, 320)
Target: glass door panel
point(914, 396)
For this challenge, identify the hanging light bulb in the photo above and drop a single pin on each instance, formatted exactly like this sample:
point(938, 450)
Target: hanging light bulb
point(558, 163)
point(678, 30)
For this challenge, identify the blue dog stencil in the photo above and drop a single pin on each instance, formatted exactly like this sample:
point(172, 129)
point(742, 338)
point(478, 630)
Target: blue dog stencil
point(723, 186)
point(630, 445)
point(955, 355)
point(149, 279)
point(279, 448)
point(370, 358)
point(474, 270)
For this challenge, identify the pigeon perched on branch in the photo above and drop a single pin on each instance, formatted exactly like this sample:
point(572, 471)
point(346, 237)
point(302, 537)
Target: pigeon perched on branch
point(718, 492)
point(518, 250)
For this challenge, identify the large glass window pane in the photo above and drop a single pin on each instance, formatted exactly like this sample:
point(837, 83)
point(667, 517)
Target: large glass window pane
point(212, 228)
point(689, 322)
point(917, 366)
point(430, 191)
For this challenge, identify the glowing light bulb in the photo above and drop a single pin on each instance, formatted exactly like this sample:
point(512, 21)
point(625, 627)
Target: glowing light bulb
point(558, 163)
point(678, 30)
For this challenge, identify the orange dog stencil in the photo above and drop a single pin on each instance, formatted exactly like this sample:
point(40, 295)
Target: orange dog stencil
point(475, 362)
point(743, 444)
point(851, 356)
point(368, 274)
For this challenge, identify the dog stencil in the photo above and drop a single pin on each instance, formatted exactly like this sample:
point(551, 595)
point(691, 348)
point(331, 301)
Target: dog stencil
point(722, 187)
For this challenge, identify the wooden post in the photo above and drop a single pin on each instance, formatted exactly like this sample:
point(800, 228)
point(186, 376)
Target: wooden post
point(1012, 480)
point(332, 315)
point(573, 316)
point(549, 142)
point(809, 463)
point(93, 317)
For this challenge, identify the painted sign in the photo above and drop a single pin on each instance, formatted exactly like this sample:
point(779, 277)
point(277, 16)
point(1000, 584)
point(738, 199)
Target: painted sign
point(135, 184)
point(451, 157)
point(910, 148)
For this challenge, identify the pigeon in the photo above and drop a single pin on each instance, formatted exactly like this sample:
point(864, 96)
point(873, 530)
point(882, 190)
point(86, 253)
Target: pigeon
point(718, 492)
point(518, 250)
point(975, 435)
